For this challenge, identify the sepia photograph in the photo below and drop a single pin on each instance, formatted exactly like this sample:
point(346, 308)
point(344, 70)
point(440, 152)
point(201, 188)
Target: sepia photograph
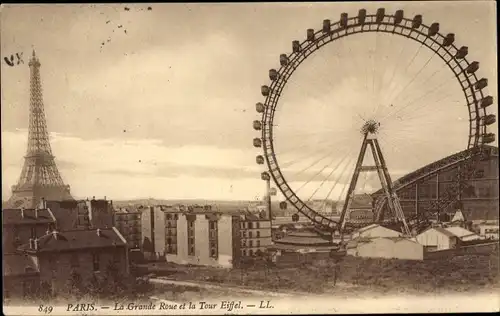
point(250, 158)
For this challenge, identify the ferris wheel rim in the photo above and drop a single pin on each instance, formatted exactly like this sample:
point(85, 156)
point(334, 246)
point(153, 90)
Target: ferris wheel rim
point(384, 23)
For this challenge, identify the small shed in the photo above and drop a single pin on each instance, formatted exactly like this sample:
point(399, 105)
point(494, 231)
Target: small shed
point(437, 238)
point(391, 248)
point(462, 233)
point(375, 231)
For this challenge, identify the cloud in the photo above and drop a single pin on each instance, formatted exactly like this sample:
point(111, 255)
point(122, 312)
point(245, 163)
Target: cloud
point(85, 164)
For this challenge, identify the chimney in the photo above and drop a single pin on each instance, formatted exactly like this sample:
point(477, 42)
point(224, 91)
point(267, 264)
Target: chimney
point(93, 198)
point(22, 212)
point(104, 198)
point(98, 232)
point(35, 242)
point(32, 243)
point(36, 212)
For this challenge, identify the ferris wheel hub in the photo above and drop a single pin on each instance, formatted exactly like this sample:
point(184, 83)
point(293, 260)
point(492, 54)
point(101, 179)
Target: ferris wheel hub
point(370, 127)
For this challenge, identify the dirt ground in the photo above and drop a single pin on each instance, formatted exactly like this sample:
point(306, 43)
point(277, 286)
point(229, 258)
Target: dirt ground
point(460, 274)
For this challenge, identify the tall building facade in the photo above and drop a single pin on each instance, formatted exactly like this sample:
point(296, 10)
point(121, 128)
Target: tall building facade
point(128, 223)
point(39, 177)
point(203, 237)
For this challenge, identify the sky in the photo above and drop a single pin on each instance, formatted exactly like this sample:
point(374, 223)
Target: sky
point(165, 109)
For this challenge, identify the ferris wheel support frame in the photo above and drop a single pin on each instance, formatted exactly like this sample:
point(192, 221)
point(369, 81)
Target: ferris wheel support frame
point(429, 36)
point(371, 140)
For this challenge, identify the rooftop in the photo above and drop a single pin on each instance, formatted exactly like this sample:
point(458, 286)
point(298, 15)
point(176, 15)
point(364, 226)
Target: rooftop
point(432, 167)
point(441, 230)
point(459, 231)
point(77, 239)
point(27, 216)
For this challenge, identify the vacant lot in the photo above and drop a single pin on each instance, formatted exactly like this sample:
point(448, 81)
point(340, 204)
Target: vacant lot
point(460, 274)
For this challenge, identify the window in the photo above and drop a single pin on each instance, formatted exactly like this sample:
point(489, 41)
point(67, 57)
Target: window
point(243, 253)
point(258, 234)
point(257, 225)
point(250, 226)
point(250, 244)
point(250, 252)
point(190, 233)
point(258, 243)
point(249, 234)
point(213, 239)
point(95, 262)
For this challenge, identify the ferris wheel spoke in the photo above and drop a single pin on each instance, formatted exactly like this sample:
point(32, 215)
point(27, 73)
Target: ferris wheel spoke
point(413, 78)
point(428, 80)
point(346, 185)
point(396, 66)
point(373, 58)
point(433, 109)
point(415, 101)
point(407, 106)
point(407, 152)
point(291, 163)
point(389, 96)
point(328, 177)
point(344, 169)
point(313, 177)
point(315, 162)
point(330, 131)
point(376, 109)
point(357, 66)
point(330, 142)
point(434, 112)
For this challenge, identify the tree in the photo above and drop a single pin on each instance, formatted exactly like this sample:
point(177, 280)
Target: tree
point(74, 286)
point(269, 261)
point(245, 263)
point(335, 258)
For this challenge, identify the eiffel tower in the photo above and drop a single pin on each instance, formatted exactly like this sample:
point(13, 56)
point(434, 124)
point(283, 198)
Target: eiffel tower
point(39, 176)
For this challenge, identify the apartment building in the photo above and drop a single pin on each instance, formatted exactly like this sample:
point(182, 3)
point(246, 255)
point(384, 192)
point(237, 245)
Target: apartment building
point(255, 233)
point(128, 223)
point(203, 237)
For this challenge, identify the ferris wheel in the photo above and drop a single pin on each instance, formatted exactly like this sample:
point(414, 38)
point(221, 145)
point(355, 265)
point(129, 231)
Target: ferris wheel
point(385, 82)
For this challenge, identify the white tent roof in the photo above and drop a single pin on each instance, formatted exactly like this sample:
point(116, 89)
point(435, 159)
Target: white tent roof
point(458, 217)
point(460, 232)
